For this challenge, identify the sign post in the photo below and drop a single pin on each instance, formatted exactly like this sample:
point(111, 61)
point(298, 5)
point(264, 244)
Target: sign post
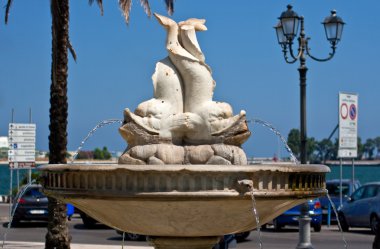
point(22, 148)
point(348, 132)
point(22, 145)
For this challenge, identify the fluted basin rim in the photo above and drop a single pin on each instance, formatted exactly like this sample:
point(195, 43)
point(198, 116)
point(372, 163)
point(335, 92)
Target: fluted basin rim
point(315, 168)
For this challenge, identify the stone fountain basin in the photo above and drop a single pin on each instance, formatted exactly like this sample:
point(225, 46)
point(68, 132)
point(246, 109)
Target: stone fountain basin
point(183, 200)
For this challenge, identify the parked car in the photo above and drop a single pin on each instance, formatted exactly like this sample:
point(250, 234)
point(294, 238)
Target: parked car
point(226, 242)
point(32, 205)
point(333, 187)
point(242, 236)
point(291, 216)
point(132, 236)
point(362, 209)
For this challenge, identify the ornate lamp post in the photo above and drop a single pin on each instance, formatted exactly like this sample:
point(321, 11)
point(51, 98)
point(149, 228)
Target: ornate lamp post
point(286, 31)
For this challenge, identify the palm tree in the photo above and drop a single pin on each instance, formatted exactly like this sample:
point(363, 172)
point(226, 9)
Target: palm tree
point(57, 235)
point(325, 150)
point(369, 147)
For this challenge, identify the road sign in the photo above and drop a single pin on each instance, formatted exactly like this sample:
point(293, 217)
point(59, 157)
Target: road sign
point(348, 125)
point(22, 145)
point(25, 140)
point(15, 126)
point(21, 158)
point(21, 152)
point(22, 164)
point(22, 133)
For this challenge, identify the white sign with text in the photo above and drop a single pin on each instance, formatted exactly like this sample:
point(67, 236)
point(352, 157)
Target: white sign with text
point(348, 125)
point(22, 145)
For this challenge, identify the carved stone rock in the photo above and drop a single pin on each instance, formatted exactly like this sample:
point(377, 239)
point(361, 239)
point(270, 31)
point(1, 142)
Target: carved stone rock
point(174, 154)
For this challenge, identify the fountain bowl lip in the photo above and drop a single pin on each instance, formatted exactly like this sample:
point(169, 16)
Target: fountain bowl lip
point(297, 168)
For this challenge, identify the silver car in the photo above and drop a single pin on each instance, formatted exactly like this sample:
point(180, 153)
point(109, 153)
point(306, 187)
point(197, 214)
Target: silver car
point(362, 209)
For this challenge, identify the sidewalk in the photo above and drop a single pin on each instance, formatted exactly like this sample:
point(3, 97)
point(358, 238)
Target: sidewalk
point(35, 245)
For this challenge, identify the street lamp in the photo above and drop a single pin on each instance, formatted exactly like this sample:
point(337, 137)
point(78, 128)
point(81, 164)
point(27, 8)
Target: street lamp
point(286, 31)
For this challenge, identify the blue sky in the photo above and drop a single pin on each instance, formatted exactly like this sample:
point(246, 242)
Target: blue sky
point(115, 63)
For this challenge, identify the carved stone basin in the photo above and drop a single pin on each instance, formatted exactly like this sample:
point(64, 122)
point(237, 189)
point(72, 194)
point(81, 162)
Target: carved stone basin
point(183, 200)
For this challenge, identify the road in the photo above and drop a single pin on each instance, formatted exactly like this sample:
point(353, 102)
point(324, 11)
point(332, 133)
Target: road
point(328, 238)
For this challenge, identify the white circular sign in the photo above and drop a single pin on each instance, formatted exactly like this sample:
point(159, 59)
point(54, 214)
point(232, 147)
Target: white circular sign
point(344, 110)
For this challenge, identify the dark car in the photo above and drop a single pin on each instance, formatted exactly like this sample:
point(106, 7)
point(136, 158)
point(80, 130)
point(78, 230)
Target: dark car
point(291, 216)
point(31, 205)
point(333, 188)
point(132, 236)
point(362, 209)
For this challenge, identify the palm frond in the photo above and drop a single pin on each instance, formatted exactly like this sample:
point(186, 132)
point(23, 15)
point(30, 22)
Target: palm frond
point(7, 8)
point(145, 5)
point(100, 4)
point(71, 49)
point(170, 6)
point(125, 6)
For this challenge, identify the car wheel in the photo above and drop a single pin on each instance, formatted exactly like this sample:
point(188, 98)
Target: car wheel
point(134, 237)
point(373, 223)
point(277, 226)
point(15, 222)
point(87, 220)
point(343, 222)
point(317, 227)
point(242, 236)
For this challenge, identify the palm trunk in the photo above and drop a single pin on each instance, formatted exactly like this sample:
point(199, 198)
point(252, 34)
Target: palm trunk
point(58, 236)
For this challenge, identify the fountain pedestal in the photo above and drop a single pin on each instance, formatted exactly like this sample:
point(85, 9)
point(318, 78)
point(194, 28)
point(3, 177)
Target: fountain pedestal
point(183, 242)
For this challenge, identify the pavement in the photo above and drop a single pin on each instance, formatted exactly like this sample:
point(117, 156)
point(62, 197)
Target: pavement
point(35, 245)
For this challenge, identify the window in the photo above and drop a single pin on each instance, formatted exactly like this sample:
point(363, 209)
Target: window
point(34, 192)
point(334, 189)
point(357, 194)
point(370, 191)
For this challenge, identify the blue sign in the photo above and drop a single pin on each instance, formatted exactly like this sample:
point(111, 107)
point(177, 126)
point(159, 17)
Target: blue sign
point(352, 112)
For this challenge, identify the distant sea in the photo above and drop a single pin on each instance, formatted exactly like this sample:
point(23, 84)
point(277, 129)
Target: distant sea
point(364, 173)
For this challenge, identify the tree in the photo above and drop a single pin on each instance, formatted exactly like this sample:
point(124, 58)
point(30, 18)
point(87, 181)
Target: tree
point(294, 141)
point(311, 144)
point(103, 154)
point(106, 154)
point(360, 148)
point(325, 150)
point(377, 143)
point(369, 148)
point(98, 154)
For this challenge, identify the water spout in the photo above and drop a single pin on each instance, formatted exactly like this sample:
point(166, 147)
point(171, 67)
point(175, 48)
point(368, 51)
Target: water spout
point(282, 138)
point(99, 125)
point(15, 204)
point(249, 185)
point(337, 218)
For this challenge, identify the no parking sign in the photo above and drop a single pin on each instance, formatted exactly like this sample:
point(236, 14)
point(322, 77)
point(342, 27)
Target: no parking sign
point(348, 125)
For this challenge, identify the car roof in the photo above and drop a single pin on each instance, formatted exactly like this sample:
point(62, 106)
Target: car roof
point(371, 183)
point(34, 186)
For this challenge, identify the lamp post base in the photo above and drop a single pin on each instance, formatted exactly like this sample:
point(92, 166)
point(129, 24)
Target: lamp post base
point(304, 233)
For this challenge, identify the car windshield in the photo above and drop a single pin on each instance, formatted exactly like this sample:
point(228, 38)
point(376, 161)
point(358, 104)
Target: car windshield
point(334, 189)
point(34, 192)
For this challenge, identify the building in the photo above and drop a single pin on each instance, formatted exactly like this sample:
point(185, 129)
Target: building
point(4, 147)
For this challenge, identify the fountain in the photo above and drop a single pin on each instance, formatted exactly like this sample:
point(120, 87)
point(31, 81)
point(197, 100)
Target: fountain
point(183, 179)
